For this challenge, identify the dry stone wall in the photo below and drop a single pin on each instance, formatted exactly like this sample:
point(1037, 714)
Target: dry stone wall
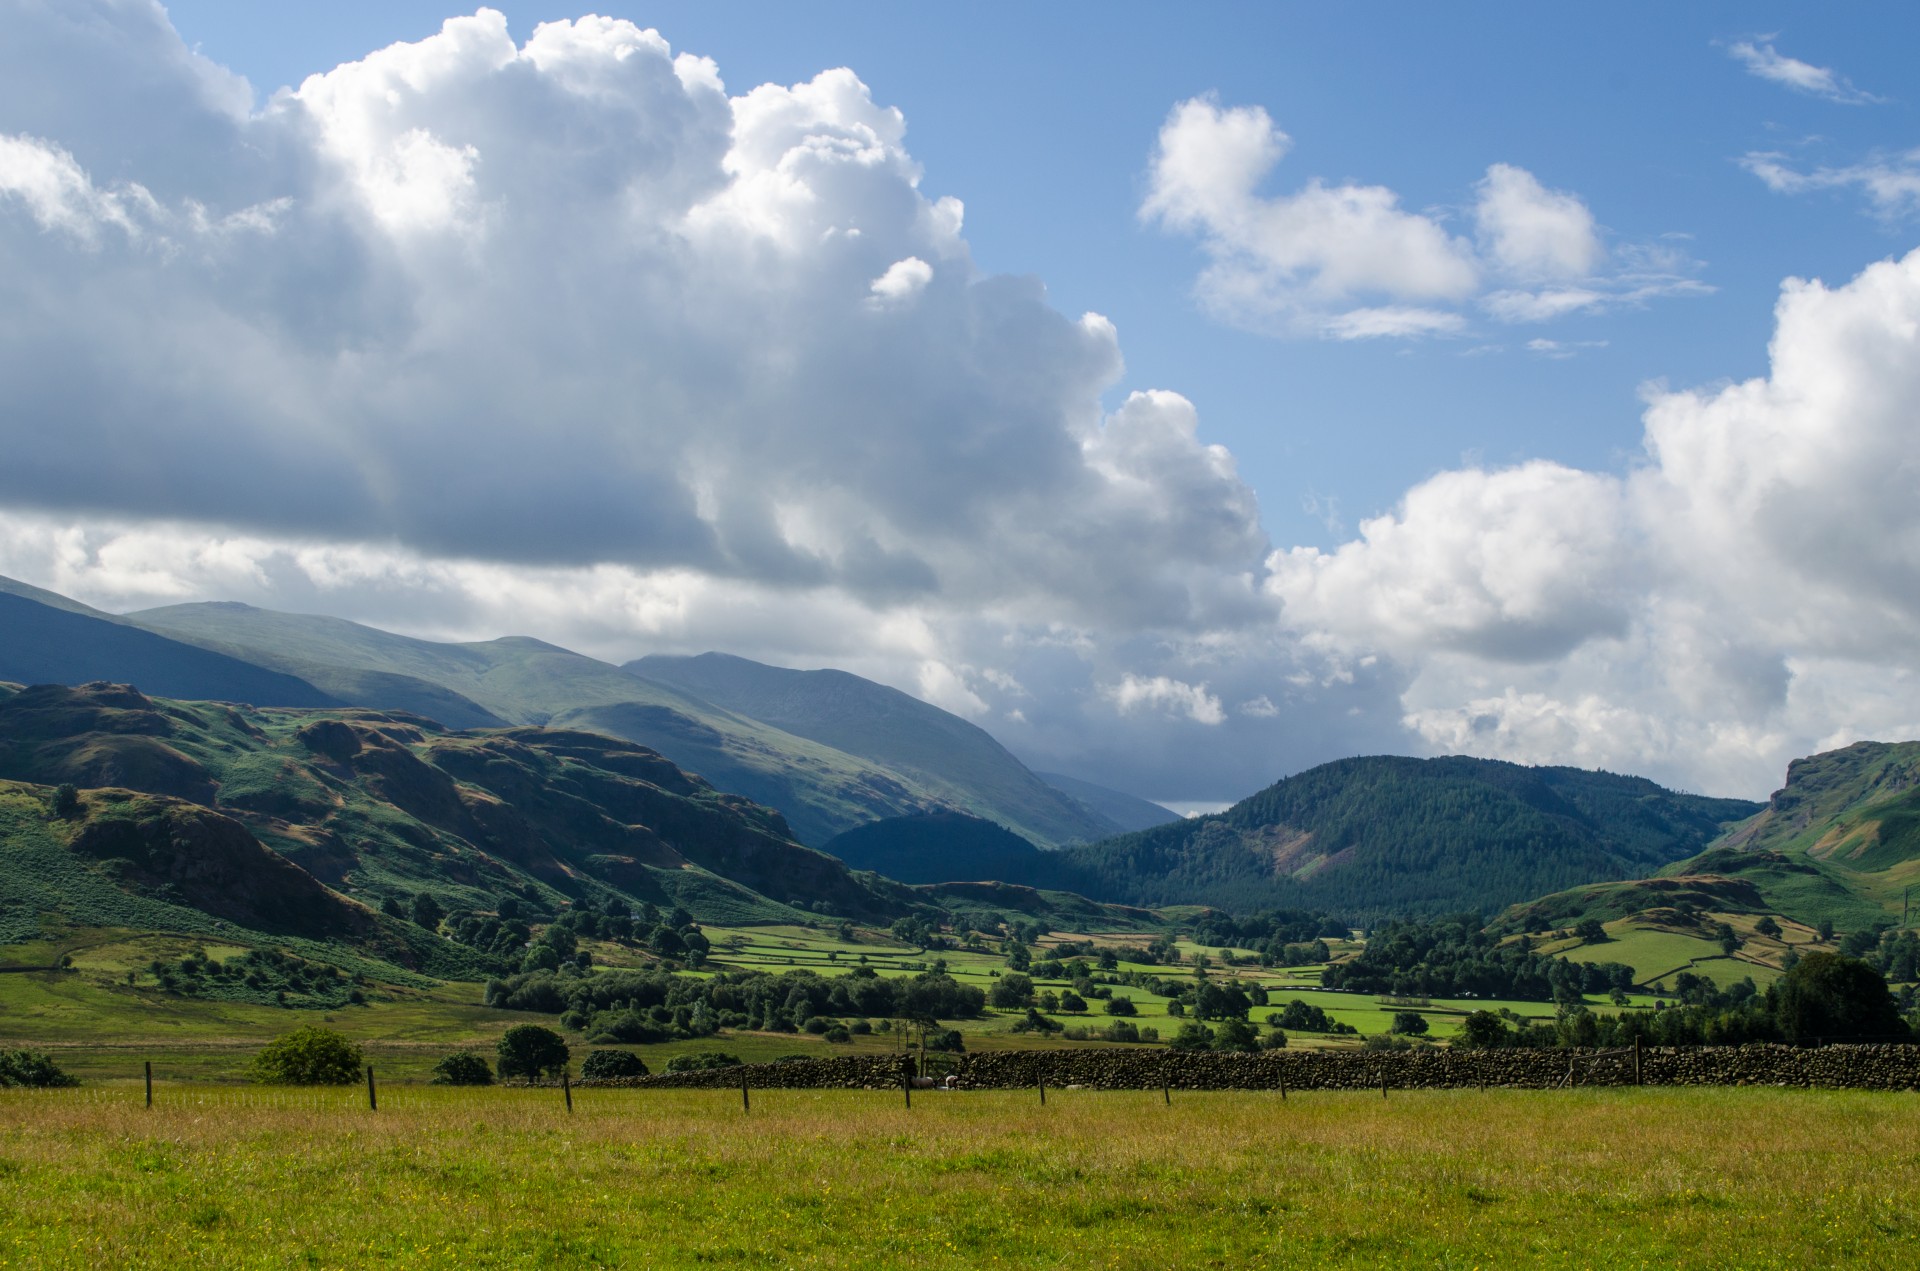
point(1855, 1067)
point(1849, 1067)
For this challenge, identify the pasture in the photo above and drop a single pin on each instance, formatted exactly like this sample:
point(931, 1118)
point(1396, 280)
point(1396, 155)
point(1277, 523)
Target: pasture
point(498, 1178)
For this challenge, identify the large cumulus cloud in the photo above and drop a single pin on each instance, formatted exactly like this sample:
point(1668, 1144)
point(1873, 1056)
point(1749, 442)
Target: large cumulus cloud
point(1746, 593)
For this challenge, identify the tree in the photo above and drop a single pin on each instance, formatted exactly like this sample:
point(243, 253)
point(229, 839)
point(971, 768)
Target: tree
point(602, 1064)
point(426, 912)
point(1236, 1034)
point(1411, 1023)
point(32, 1068)
point(1192, 1036)
point(1591, 931)
point(1830, 997)
point(463, 1068)
point(1072, 1002)
point(529, 1051)
point(1011, 991)
point(1120, 1006)
point(1825, 928)
point(66, 801)
point(1484, 1030)
point(1767, 926)
point(311, 1056)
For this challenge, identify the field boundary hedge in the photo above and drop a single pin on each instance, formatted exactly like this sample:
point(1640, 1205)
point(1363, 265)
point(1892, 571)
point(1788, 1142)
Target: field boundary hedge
point(1856, 1067)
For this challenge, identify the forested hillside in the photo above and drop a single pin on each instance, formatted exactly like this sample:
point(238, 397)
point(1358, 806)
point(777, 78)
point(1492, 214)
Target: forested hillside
point(1388, 835)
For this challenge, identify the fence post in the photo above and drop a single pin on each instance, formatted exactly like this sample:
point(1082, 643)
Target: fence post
point(566, 1089)
point(1283, 1087)
point(1166, 1092)
point(745, 1106)
point(149, 1067)
point(373, 1100)
point(1636, 1060)
point(1043, 1092)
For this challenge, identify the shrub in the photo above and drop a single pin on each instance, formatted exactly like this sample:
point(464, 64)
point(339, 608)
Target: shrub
point(1120, 1006)
point(837, 1033)
point(309, 1056)
point(529, 1051)
point(32, 1068)
point(1192, 1037)
point(1411, 1023)
point(66, 801)
point(613, 1063)
point(703, 1061)
point(463, 1068)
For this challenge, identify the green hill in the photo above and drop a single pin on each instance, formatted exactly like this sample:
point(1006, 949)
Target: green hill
point(43, 643)
point(363, 806)
point(960, 762)
point(944, 847)
point(820, 789)
point(1389, 835)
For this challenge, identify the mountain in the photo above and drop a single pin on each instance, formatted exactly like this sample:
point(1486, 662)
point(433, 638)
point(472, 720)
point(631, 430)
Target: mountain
point(363, 806)
point(515, 680)
point(961, 763)
point(1127, 811)
point(66, 643)
point(1388, 835)
point(945, 847)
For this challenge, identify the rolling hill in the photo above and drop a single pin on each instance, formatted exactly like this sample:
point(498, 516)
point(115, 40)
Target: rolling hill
point(960, 762)
point(362, 806)
point(1390, 835)
point(66, 643)
point(1839, 842)
point(1127, 811)
point(522, 681)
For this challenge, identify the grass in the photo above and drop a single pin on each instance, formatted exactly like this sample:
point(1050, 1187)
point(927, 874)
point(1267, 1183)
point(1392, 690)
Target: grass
point(507, 1179)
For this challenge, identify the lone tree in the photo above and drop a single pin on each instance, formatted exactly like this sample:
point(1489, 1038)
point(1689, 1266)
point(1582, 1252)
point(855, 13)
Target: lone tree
point(530, 1051)
point(311, 1056)
point(1591, 931)
point(1833, 998)
point(66, 801)
point(465, 1068)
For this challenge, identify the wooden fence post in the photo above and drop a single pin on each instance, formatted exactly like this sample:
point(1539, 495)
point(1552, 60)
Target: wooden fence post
point(566, 1089)
point(1283, 1087)
point(1383, 1083)
point(1166, 1092)
point(373, 1100)
point(1043, 1092)
point(745, 1106)
point(149, 1067)
point(1636, 1061)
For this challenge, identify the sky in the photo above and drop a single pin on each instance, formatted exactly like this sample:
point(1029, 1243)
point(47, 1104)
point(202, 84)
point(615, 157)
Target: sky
point(1185, 399)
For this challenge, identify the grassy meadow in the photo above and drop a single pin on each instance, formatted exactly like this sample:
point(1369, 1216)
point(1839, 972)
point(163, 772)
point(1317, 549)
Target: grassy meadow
point(252, 1178)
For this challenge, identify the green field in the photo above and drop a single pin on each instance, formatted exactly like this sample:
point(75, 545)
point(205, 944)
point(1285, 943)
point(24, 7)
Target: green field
point(636, 1178)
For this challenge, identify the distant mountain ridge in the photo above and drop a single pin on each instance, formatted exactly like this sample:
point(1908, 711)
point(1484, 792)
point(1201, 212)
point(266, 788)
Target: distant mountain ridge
point(961, 761)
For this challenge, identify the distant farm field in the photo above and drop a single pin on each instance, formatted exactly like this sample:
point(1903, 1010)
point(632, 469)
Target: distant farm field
point(508, 1178)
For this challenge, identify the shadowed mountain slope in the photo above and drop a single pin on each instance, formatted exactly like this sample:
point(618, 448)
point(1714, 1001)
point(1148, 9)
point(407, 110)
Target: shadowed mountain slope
point(959, 761)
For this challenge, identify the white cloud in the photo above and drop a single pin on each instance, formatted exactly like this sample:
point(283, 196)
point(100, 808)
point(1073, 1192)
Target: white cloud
point(1534, 232)
point(1891, 183)
point(1745, 595)
point(1763, 60)
point(904, 278)
point(1172, 696)
point(1348, 262)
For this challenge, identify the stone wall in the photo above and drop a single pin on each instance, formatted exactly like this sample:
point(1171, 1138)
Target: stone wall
point(1149, 1068)
point(1856, 1067)
point(842, 1072)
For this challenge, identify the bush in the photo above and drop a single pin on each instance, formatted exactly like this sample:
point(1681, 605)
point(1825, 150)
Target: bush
point(32, 1068)
point(464, 1068)
point(1410, 1023)
point(703, 1061)
point(529, 1051)
point(1120, 1006)
point(66, 802)
point(1193, 1037)
point(613, 1063)
point(310, 1056)
point(837, 1033)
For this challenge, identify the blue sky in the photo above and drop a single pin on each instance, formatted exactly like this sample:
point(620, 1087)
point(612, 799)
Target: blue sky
point(1296, 382)
point(1042, 120)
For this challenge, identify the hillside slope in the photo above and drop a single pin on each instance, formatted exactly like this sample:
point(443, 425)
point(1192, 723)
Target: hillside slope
point(1384, 834)
point(1127, 811)
point(516, 680)
point(43, 643)
point(960, 761)
point(368, 806)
